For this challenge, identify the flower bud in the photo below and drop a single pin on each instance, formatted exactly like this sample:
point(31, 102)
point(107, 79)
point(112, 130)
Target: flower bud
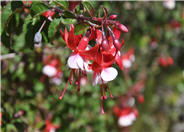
point(117, 44)
point(112, 17)
point(38, 39)
point(122, 27)
point(105, 45)
point(140, 99)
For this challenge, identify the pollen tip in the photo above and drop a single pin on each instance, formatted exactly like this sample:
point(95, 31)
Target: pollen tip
point(60, 98)
point(102, 111)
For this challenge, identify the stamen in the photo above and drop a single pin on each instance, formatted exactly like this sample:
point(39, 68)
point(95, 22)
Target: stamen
point(105, 97)
point(65, 86)
point(73, 72)
point(110, 91)
point(78, 89)
point(102, 110)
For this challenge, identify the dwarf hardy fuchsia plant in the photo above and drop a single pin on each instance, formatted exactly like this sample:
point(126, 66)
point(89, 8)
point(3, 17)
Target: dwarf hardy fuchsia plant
point(98, 59)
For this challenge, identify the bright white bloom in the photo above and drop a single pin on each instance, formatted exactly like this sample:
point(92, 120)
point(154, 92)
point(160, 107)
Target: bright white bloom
point(50, 71)
point(127, 120)
point(169, 4)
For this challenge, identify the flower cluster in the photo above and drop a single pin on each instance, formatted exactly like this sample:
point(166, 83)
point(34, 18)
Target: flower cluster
point(95, 52)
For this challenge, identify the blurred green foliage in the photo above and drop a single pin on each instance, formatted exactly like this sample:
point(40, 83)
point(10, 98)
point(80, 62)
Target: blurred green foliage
point(21, 88)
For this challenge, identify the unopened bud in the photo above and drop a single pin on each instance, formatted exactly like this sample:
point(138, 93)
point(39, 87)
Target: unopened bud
point(112, 17)
point(105, 44)
point(117, 44)
point(122, 27)
point(37, 39)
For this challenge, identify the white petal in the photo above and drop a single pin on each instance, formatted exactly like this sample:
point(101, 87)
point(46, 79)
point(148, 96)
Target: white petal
point(127, 63)
point(109, 74)
point(49, 70)
point(80, 62)
point(126, 120)
point(170, 4)
point(96, 79)
point(72, 61)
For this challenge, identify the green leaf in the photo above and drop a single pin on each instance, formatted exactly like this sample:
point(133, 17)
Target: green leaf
point(88, 6)
point(38, 8)
point(63, 3)
point(81, 28)
point(53, 27)
point(68, 14)
point(6, 12)
point(68, 21)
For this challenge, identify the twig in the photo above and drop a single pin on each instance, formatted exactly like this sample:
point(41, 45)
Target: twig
point(7, 56)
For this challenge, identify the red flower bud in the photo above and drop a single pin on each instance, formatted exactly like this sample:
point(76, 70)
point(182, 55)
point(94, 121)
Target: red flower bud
point(112, 17)
point(140, 99)
point(117, 44)
point(162, 62)
point(97, 19)
point(170, 61)
point(122, 27)
point(105, 45)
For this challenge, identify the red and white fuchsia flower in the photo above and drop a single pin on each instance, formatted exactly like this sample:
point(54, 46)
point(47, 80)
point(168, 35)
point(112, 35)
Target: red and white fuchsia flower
point(48, 14)
point(128, 58)
point(49, 127)
point(126, 116)
point(52, 69)
point(95, 52)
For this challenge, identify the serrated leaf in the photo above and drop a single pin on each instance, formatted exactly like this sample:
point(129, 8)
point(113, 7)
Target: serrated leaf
point(38, 8)
point(68, 21)
point(53, 27)
point(81, 28)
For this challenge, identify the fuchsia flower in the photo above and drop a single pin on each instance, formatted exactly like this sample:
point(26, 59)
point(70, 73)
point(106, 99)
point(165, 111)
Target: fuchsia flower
point(52, 69)
point(48, 14)
point(128, 58)
point(50, 127)
point(126, 116)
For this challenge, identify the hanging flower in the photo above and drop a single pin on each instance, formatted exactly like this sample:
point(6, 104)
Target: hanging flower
point(126, 116)
point(50, 127)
